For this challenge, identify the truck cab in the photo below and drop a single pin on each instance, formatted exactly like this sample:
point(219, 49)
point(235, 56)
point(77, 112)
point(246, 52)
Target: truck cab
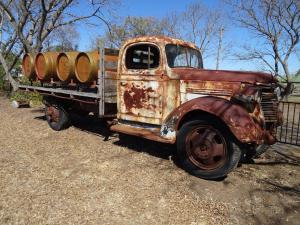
point(213, 116)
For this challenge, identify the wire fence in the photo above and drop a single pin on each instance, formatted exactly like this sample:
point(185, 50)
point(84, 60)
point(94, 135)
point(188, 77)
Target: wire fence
point(289, 131)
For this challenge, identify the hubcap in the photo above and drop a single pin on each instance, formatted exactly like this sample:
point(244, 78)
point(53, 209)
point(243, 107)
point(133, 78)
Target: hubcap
point(52, 114)
point(206, 147)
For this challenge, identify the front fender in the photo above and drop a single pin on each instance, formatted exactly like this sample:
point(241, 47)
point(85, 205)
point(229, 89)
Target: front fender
point(237, 119)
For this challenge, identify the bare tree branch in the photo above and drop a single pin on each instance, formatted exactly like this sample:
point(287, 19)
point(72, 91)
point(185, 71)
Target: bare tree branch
point(31, 22)
point(275, 21)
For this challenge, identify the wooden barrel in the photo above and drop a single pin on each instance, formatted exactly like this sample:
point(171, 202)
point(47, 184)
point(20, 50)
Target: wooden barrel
point(86, 66)
point(28, 65)
point(66, 65)
point(45, 65)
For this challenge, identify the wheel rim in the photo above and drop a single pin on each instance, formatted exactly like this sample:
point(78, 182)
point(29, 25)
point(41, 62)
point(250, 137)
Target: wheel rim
point(206, 147)
point(52, 114)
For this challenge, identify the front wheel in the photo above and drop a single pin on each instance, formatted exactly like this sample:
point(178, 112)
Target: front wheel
point(206, 150)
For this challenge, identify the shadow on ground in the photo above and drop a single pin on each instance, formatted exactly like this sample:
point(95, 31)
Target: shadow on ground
point(95, 126)
point(100, 128)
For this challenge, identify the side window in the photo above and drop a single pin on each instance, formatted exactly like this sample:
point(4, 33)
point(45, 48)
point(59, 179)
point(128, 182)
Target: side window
point(142, 56)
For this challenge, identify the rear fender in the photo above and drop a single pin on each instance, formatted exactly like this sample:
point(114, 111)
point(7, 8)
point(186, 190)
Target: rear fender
point(236, 118)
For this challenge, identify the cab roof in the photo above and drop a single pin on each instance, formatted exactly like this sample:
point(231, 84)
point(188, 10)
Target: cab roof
point(160, 39)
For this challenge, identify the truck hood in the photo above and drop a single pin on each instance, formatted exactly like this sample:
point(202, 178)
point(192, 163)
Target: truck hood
point(224, 75)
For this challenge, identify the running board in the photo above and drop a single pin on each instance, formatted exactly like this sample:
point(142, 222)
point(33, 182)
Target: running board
point(150, 134)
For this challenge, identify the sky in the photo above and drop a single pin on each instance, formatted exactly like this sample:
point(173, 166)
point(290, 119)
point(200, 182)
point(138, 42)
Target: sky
point(158, 9)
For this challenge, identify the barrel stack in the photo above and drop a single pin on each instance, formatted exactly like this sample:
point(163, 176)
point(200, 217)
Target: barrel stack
point(68, 67)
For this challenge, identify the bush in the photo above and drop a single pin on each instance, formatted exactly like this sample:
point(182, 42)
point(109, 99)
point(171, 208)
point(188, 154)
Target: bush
point(25, 81)
point(33, 97)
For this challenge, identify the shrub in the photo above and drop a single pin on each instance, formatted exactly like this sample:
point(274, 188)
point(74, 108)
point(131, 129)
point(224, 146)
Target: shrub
point(33, 97)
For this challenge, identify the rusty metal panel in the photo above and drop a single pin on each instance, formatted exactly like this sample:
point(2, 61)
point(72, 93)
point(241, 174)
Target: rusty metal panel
point(171, 97)
point(194, 89)
point(237, 118)
point(162, 40)
point(141, 94)
point(142, 99)
point(141, 131)
point(224, 76)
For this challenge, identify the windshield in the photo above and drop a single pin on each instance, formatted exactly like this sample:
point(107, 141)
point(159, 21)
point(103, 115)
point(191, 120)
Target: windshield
point(181, 56)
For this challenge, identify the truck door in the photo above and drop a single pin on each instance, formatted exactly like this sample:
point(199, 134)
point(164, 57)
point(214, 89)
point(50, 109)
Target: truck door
point(140, 88)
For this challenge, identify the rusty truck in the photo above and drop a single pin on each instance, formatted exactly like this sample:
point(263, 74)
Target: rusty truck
point(160, 91)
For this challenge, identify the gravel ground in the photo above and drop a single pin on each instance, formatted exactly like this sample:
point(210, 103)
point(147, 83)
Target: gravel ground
point(79, 176)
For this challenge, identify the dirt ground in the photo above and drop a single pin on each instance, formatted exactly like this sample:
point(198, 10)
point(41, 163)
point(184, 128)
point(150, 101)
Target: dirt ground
point(79, 176)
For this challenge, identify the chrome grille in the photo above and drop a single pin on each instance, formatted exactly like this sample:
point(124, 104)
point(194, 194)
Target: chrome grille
point(269, 105)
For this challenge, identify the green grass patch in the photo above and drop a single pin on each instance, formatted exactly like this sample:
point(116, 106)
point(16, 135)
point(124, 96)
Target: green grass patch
point(33, 97)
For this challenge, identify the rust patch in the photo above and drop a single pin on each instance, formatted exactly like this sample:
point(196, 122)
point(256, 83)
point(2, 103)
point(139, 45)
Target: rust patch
point(153, 135)
point(135, 97)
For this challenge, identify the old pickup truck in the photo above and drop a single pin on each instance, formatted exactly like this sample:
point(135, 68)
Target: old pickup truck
point(160, 91)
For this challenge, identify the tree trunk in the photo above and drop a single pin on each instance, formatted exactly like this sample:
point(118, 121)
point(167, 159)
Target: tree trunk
point(8, 76)
point(276, 66)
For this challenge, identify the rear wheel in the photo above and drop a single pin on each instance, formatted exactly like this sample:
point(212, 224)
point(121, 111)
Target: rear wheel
point(206, 150)
point(57, 118)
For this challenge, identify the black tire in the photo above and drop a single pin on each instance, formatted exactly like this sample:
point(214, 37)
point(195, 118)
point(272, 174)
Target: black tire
point(57, 117)
point(206, 150)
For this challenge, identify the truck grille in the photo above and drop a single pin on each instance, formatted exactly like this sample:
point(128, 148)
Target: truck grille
point(269, 105)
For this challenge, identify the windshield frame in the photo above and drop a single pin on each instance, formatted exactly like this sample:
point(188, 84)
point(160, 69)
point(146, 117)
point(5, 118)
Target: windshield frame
point(188, 50)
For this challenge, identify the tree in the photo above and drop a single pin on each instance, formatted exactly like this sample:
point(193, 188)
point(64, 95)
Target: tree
point(132, 27)
point(172, 25)
point(30, 23)
point(62, 39)
point(201, 26)
point(277, 24)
